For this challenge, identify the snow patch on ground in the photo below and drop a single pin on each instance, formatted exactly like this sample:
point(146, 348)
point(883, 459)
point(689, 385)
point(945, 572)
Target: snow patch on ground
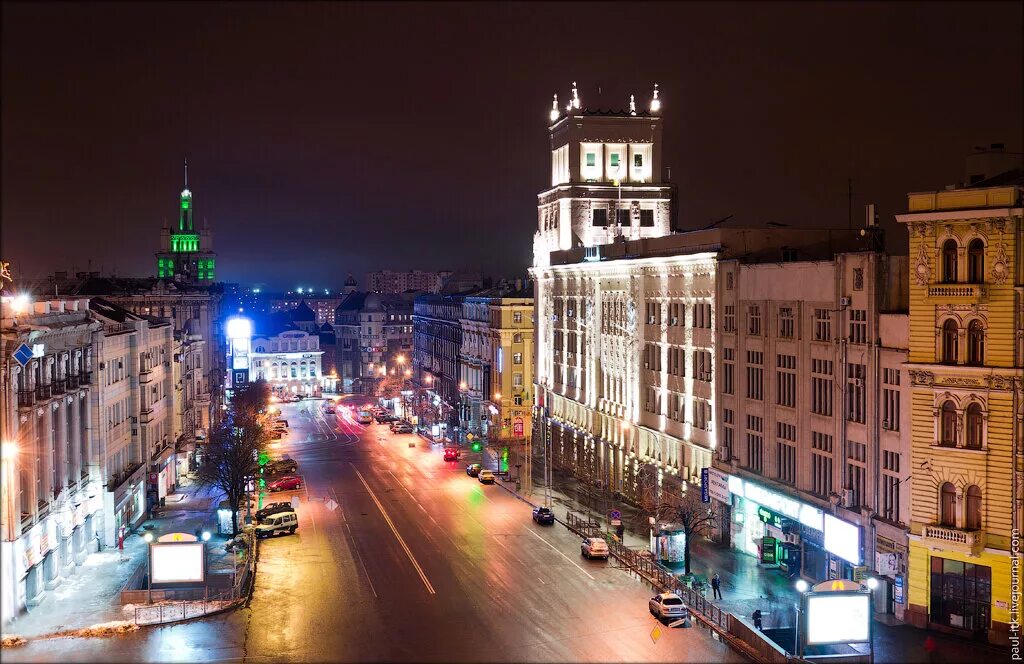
point(105, 629)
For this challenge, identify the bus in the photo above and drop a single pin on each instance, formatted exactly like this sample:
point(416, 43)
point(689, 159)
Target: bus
point(364, 416)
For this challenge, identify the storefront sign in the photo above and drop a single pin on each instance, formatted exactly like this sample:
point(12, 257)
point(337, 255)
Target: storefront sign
point(768, 550)
point(887, 564)
point(897, 590)
point(842, 539)
point(705, 495)
point(771, 518)
point(718, 486)
point(517, 428)
point(806, 514)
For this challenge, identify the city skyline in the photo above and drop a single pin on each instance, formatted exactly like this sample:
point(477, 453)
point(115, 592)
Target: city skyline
point(271, 180)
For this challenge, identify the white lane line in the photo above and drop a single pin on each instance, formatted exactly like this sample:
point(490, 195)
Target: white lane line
point(355, 549)
point(406, 489)
point(559, 552)
point(394, 530)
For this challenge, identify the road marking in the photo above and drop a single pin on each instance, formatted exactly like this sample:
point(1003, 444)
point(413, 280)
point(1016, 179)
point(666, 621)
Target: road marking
point(505, 546)
point(355, 549)
point(559, 552)
point(394, 530)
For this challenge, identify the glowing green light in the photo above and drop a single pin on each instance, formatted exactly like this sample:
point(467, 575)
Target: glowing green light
point(264, 459)
point(476, 447)
point(263, 483)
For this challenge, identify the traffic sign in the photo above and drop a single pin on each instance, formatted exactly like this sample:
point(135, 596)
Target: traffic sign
point(22, 354)
point(614, 515)
point(656, 633)
point(330, 504)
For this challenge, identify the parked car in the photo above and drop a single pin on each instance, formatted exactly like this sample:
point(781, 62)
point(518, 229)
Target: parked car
point(594, 547)
point(286, 483)
point(485, 476)
point(543, 515)
point(281, 466)
point(667, 605)
point(384, 418)
point(473, 469)
point(283, 523)
point(451, 454)
point(273, 508)
point(403, 427)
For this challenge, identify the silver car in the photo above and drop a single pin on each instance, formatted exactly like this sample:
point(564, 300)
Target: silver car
point(666, 606)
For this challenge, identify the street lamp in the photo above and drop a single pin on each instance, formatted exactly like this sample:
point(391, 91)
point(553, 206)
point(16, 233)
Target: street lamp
point(149, 565)
point(801, 587)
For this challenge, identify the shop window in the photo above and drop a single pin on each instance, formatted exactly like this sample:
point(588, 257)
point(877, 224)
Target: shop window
point(961, 594)
point(949, 262)
point(949, 342)
point(947, 507)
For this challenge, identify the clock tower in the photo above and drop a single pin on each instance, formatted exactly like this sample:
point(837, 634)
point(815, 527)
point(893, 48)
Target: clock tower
point(185, 253)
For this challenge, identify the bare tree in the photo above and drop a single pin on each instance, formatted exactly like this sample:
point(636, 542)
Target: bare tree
point(232, 456)
point(692, 516)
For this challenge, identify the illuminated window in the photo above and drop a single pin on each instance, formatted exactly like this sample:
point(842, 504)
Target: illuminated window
point(615, 160)
point(591, 159)
point(638, 161)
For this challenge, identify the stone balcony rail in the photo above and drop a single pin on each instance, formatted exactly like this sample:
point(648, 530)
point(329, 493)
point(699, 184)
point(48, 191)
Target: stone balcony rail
point(970, 541)
point(958, 291)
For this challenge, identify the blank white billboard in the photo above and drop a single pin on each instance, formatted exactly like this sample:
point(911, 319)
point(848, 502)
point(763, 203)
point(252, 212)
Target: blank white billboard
point(180, 562)
point(838, 618)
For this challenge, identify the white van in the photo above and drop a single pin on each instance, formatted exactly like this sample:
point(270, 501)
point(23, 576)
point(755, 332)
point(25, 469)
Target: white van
point(280, 523)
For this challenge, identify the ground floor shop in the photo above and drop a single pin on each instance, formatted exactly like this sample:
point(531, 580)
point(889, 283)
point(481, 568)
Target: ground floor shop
point(124, 509)
point(962, 593)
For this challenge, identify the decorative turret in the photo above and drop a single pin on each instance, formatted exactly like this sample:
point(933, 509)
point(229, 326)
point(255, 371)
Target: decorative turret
point(185, 254)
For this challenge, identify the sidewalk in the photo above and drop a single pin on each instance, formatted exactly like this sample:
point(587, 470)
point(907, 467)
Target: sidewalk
point(92, 594)
point(746, 585)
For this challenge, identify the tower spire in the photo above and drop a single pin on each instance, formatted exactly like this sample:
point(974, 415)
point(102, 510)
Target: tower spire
point(186, 172)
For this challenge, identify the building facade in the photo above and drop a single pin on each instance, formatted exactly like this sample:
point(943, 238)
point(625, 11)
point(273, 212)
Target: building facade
point(374, 338)
point(289, 361)
point(437, 371)
point(52, 494)
point(810, 420)
point(966, 398)
point(388, 281)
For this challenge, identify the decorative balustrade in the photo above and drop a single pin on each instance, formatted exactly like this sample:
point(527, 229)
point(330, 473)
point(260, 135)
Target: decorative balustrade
point(958, 291)
point(971, 540)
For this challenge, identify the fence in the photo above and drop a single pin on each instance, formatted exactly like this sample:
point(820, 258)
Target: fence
point(154, 614)
point(730, 628)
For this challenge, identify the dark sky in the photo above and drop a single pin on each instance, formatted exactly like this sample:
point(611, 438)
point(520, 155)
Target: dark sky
point(329, 138)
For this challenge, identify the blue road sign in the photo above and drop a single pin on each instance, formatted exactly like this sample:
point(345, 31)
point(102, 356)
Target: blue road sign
point(705, 490)
point(615, 514)
point(22, 354)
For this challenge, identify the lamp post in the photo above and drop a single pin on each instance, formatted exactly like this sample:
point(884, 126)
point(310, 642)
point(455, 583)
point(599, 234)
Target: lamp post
point(801, 587)
point(149, 566)
point(872, 584)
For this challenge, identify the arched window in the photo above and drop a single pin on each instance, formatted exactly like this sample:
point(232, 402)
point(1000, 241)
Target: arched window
point(947, 425)
point(975, 426)
point(295, 370)
point(972, 511)
point(947, 505)
point(949, 262)
point(976, 343)
point(976, 262)
point(950, 335)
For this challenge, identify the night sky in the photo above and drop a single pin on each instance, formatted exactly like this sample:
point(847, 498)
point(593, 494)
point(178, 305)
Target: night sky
point(324, 139)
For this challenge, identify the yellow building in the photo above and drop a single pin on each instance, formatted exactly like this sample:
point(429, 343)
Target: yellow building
point(965, 396)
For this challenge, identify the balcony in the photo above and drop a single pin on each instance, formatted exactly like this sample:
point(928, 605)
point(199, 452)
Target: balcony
point(60, 386)
point(955, 539)
point(26, 398)
point(86, 378)
point(73, 381)
point(43, 392)
point(145, 375)
point(968, 293)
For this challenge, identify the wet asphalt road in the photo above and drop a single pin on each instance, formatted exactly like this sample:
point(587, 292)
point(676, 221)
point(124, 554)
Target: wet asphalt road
point(418, 563)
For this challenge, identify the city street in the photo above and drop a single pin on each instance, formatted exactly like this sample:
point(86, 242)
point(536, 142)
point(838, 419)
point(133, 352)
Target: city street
point(418, 562)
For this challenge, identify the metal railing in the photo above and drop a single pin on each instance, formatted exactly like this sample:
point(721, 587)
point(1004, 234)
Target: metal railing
point(60, 386)
point(26, 398)
point(43, 391)
point(73, 381)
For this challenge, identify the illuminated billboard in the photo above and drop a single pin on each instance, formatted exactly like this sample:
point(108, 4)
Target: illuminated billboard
point(178, 562)
point(837, 617)
point(842, 539)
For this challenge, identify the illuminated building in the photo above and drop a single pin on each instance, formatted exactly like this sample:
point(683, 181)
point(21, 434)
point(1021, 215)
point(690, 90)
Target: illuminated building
point(52, 493)
point(289, 360)
point(186, 254)
point(372, 331)
point(496, 365)
point(387, 281)
point(810, 415)
point(965, 374)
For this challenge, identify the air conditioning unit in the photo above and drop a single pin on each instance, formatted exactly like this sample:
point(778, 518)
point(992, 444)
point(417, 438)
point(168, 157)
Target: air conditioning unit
point(857, 382)
point(103, 365)
point(847, 497)
point(844, 301)
point(675, 321)
point(885, 424)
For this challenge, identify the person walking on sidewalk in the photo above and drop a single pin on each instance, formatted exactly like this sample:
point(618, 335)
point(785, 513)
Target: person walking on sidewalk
point(716, 586)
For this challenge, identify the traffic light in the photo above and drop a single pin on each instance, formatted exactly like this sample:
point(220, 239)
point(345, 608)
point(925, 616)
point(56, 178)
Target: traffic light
point(476, 446)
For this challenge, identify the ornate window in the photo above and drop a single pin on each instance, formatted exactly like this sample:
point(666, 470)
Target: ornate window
point(947, 505)
point(949, 262)
point(950, 335)
point(975, 426)
point(976, 343)
point(972, 509)
point(947, 425)
point(976, 262)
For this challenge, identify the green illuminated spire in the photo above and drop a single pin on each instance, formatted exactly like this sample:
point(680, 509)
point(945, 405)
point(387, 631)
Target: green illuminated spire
point(185, 214)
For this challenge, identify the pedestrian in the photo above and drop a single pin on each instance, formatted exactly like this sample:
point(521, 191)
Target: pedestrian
point(929, 647)
point(757, 618)
point(716, 586)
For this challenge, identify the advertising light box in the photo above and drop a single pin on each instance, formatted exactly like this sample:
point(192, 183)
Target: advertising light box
point(838, 618)
point(180, 562)
point(842, 539)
